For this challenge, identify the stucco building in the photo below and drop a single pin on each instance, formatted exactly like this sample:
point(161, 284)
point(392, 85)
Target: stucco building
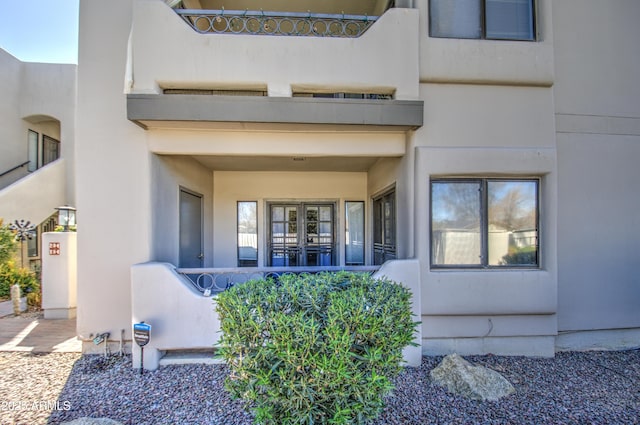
point(37, 133)
point(485, 150)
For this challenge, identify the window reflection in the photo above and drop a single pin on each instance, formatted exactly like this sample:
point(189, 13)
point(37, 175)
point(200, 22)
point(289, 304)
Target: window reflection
point(248, 234)
point(484, 222)
point(512, 218)
point(455, 233)
point(354, 232)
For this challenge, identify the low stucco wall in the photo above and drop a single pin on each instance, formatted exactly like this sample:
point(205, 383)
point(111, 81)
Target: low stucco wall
point(59, 274)
point(180, 317)
point(407, 273)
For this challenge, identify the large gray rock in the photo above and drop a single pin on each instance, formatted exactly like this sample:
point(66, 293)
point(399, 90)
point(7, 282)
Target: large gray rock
point(92, 421)
point(474, 382)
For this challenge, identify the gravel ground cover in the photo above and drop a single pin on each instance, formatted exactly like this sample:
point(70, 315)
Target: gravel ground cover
point(572, 388)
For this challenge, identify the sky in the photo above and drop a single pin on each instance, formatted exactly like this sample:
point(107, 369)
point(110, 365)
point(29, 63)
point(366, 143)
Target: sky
point(40, 30)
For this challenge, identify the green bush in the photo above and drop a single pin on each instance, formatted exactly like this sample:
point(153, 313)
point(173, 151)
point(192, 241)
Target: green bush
point(10, 275)
point(8, 246)
point(314, 349)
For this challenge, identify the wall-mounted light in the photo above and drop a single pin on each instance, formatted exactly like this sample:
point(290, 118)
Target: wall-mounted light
point(66, 217)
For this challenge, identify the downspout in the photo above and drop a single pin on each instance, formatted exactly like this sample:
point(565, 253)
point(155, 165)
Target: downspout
point(128, 73)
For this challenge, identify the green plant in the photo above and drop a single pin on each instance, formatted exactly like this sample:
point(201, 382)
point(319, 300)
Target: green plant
point(314, 349)
point(8, 245)
point(11, 275)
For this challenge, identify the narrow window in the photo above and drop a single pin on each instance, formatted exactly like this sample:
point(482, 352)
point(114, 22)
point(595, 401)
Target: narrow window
point(354, 233)
point(50, 149)
point(484, 223)
point(32, 246)
point(247, 234)
point(33, 150)
point(384, 228)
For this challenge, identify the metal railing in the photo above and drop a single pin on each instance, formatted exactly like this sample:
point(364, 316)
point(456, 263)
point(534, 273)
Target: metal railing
point(14, 168)
point(213, 280)
point(276, 23)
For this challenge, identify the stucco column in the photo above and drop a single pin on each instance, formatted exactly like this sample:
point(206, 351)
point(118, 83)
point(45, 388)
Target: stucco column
point(59, 269)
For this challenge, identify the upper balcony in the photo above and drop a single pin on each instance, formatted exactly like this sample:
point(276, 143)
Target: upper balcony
point(300, 18)
point(360, 46)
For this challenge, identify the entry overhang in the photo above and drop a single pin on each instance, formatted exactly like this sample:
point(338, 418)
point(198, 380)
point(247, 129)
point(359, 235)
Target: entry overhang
point(145, 109)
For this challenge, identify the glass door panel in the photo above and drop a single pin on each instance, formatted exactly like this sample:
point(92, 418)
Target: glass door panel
point(283, 247)
point(384, 228)
point(302, 235)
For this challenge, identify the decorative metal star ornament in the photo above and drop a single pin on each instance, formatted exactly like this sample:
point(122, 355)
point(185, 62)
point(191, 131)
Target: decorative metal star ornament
point(24, 230)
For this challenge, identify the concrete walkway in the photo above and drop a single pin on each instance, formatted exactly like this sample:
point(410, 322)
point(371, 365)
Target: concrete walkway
point(37, 335)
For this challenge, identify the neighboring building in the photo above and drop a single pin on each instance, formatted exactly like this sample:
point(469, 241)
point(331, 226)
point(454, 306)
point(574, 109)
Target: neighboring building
point(493, 142)
point(37, 125)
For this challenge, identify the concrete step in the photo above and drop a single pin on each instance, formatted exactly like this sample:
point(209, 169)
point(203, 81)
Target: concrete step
point(177, 357)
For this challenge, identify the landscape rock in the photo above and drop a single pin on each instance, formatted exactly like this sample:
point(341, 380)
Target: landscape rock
point(474, 382)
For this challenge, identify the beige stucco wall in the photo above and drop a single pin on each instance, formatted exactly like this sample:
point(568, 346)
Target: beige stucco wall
point(59, 275)
point(167, 53)
point(448, 60)
point(13, 145)
point(169, 175)
point(563, 108)
point(487, 131)
point(272, 141)
point(113, 174)
point(598, 122)
point(40, 97)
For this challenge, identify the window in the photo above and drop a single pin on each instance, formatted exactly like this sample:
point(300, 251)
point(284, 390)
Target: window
point(484, 223)
point(354, 233)
point(384, 228)
point(32, 245)
point(50, 149)
point(488, 19)
point(248, 234)
point(345, 95)
point(33, 150)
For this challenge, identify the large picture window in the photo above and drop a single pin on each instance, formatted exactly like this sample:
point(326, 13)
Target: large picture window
point(488, 19)
point(484, 223)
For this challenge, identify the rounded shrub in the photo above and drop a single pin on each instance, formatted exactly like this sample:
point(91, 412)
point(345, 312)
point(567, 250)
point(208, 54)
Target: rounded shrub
point(10, 275)
point(314, 349)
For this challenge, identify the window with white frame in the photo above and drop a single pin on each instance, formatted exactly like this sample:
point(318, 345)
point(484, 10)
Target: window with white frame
point(482, 19)
point(33, 150)
point(484, 222)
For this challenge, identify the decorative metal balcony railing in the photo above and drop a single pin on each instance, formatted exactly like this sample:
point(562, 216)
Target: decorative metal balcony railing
point(276, 23)
point(213, 280)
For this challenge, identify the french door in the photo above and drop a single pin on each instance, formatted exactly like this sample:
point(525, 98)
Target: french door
point(302, 234)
